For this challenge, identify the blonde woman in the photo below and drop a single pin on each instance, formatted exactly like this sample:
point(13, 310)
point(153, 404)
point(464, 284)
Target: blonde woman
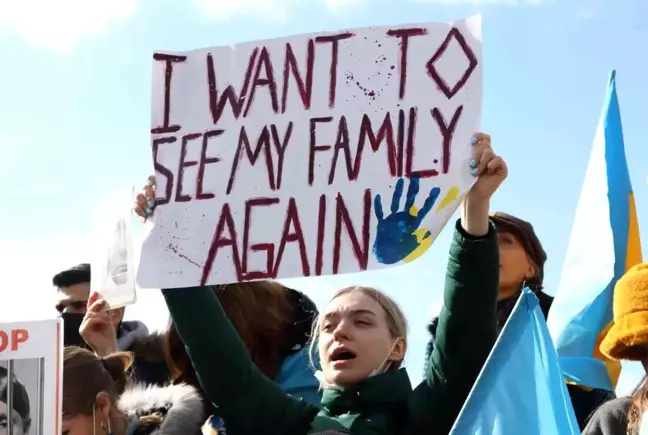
point(361, 341)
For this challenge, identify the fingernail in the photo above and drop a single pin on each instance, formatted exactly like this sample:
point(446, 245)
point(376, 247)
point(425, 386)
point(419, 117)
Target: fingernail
point(473, 163)
point(150, 204)
point(149, 211)
point(475, 172)
point(473, 140)
point(149, 182)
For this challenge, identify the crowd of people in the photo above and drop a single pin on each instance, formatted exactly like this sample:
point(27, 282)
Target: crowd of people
point(260, 358)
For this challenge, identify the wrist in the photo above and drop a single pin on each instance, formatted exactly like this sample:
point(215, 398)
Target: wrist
point(475, 216)
point(104, 351)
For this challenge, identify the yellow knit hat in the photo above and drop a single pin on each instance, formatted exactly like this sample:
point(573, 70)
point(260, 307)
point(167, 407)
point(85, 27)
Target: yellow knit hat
point(628, 338)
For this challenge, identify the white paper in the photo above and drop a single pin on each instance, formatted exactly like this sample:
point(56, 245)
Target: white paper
point(113, 268)
point(270, 168)
point(32, 352)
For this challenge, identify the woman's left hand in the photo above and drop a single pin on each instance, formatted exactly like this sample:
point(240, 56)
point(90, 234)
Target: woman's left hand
point(491, 171)
point(490, 168)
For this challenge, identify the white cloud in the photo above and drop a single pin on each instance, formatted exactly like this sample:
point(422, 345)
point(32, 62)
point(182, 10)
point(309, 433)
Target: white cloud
point(480, 2)
point(61, 25)
point(268, 9)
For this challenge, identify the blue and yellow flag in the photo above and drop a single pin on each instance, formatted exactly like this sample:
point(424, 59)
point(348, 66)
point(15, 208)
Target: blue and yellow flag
point(604, 244)
point(521, 389)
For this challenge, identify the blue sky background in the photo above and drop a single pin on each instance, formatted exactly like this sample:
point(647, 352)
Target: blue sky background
point(75, 115)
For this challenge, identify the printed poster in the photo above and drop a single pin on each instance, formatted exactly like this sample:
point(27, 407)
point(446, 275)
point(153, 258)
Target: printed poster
point(31, 371)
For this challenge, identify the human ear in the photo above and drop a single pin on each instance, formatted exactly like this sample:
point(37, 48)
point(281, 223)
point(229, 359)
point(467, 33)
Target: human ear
point(531, 270)
point(103, 405)
point(398, 350)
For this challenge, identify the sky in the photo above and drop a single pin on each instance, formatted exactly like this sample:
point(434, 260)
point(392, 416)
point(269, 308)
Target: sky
point(75, 117)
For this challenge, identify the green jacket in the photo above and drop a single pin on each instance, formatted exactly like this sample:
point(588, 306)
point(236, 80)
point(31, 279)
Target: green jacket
point(251, 404)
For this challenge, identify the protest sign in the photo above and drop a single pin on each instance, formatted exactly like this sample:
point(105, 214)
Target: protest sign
point(30, 377)
point(113, 266)
point(280, 158)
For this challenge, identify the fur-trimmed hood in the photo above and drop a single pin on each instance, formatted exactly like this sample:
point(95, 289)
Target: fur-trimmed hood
point(170, 410)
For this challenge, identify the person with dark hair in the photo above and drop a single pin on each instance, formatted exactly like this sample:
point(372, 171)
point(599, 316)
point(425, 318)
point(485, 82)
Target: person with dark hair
point(274, 322)
point(73, 293)
point(98, 399)
point(20, 414)
point(522, 261)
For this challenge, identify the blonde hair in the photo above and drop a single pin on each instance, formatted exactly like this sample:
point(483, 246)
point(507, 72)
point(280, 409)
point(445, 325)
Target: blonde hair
point(396, 321)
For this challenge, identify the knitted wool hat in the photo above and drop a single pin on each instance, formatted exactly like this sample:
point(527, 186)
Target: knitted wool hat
point(628, 338)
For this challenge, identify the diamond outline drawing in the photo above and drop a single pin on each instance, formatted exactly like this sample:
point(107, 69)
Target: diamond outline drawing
point(455, 34)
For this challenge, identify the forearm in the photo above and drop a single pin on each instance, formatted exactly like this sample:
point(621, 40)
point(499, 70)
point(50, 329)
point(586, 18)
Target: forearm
point(474, 216)
point(218, 355)
point(225, 369)
point(467, 322)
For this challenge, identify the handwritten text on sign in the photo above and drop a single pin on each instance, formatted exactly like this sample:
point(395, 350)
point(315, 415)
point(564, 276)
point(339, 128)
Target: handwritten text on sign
point(310, 155)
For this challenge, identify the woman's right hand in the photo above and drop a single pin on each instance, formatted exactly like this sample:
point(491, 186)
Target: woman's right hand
point(145, 201)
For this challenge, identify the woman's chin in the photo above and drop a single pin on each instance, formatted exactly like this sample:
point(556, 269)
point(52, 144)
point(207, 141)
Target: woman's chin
point(344, 376)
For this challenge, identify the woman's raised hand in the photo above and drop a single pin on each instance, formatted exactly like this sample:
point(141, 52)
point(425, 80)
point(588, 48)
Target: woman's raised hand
point(491, 171)
point(145, 201)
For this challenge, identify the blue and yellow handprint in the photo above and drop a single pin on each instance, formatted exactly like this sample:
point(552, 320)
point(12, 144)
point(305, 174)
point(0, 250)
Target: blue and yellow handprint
point(398, 236)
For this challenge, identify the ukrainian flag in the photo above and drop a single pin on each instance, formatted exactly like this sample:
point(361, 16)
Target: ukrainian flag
point(604, 244)
point(521, 389)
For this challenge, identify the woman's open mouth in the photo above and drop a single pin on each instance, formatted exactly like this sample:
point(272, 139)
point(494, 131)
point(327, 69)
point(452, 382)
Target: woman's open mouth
point(342, 357)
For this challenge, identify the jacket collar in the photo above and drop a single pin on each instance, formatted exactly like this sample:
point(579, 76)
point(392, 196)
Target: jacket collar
point(384, 390)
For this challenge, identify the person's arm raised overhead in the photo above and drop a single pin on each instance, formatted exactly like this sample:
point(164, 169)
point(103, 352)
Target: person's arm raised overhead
point(466, 328)
point(248, 402)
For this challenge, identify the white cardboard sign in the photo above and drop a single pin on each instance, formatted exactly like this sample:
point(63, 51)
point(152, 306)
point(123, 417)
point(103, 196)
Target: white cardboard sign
point(31, 356)
point(310, 155)
point(113, 265)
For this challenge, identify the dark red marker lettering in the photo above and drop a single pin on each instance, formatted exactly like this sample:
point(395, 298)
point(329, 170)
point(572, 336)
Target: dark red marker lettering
point(304, 87)
point(265, 63)
point(169, 59)
point(204, 161)
point(409, 146)
point(401, 141)
point(385, 133)
point(314, 147)
point(268, 248)
point(448, 91)
point(321, 229)
point(335, 41)
point(263, 144)
point(179, 196)
point(360, 247)
point(280, 146)
point(225, 223)
point(404, 35)
point(216, 103)
point(447, 132)
point(163, 170)
point(342, 144)
point(292, 232)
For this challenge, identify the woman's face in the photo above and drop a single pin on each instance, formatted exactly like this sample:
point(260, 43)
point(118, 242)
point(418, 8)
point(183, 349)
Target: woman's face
point(81, 425)
point(354, 339)
point(515, 265)
point(18, 425)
